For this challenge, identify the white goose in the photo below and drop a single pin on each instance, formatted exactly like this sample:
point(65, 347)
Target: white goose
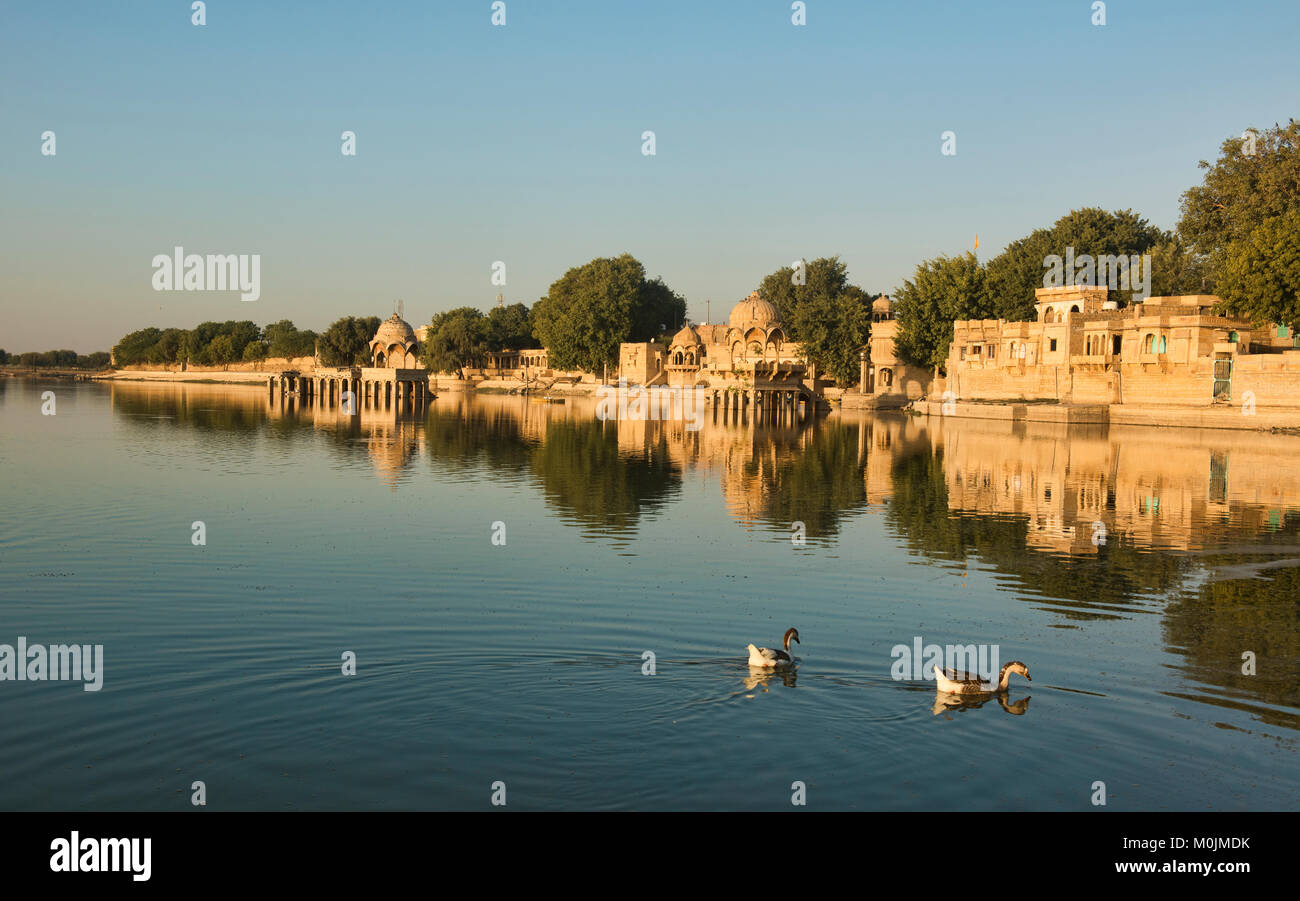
point(959, 683)
point(767, 657)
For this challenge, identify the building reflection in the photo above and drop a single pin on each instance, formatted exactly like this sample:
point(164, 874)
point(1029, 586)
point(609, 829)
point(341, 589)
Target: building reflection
point(1079, 489)
point(1091, 525)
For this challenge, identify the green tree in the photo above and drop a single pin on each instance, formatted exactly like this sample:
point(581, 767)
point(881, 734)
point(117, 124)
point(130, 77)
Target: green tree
point(135, 348)
point(456, 340)
point(222, 350)
point(593, 308)
point(1260, 276)
point(4, 357)
point(1174, 270)
point(823, 277)
point(657, 313)
point(169, 347)
point(834, 329)
point(347, 341)
point(509, 328)
point(254, 351)
point(284, 339)
point(1253, 180)
point(830, 318)
point(942, 290)
point(60, 359)
point(201, 338)
point(1020, 269)
point(240, 334)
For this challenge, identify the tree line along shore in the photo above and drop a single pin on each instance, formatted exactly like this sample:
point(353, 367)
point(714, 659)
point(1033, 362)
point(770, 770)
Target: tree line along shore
point(1238, 237)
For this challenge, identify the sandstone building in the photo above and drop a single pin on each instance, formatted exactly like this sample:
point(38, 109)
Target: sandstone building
point(1084, 349)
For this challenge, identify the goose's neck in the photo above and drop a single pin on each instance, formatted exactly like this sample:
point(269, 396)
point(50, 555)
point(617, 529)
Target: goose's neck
point(1005, 679)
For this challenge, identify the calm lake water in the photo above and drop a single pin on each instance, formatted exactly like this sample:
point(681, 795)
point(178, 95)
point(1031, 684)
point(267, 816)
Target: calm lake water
point(522, 663)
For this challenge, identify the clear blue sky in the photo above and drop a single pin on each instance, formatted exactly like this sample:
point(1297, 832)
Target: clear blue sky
point(523, 143)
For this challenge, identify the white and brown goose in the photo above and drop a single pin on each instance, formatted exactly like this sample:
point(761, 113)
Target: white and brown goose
point(767, 657)
point(959, 683)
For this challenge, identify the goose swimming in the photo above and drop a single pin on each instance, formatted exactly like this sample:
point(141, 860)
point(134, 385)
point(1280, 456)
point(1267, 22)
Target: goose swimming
point(769, 657)
point(958, 683)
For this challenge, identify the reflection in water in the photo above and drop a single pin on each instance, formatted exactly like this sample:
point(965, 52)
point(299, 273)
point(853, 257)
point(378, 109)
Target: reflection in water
point(1107, 524)
point(947, 702)
point(585, 474)
point(759, 677)
point(1216, 625)
point(1091, 525)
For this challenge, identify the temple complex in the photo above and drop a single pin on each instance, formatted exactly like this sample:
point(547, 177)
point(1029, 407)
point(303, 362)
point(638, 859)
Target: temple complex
point(748, 360)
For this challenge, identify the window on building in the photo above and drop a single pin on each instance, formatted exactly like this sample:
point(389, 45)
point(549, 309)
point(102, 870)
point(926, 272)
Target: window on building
point(1052, 346)
point(1149, 344)
point(1163, 345)
point(993, 351)
point(1284, 331)
point(963, 351)
point(1234, 337)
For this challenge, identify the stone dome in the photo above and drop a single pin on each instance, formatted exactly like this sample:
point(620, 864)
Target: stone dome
point(753, 310)
point(882, 304)
point(394, 330)
point(687, 335)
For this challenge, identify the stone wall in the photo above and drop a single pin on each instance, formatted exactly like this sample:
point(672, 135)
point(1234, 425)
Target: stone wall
point(269, 365)
point(1274, 379)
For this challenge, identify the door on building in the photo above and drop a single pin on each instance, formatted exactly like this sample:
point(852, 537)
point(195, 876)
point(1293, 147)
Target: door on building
point(1222, 378)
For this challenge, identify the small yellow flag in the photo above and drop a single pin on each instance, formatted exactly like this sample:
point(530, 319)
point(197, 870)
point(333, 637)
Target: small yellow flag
point(977, 241)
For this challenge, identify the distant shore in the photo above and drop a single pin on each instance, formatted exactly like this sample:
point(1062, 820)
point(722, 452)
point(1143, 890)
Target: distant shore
point(443, 384)
point(17, 372)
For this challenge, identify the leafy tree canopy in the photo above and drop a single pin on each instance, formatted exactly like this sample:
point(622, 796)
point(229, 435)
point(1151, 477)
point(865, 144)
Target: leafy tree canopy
point(347, 341)
point(830, 318)
point(942, 290)
point(456, 340)
point(1260, 278)
point(593, 308)
point(510, 328)
point(1256, 178)
point(283, 339)
point(1019, 270)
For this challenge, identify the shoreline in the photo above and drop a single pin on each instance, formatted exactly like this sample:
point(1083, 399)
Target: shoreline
point(1229, 417)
